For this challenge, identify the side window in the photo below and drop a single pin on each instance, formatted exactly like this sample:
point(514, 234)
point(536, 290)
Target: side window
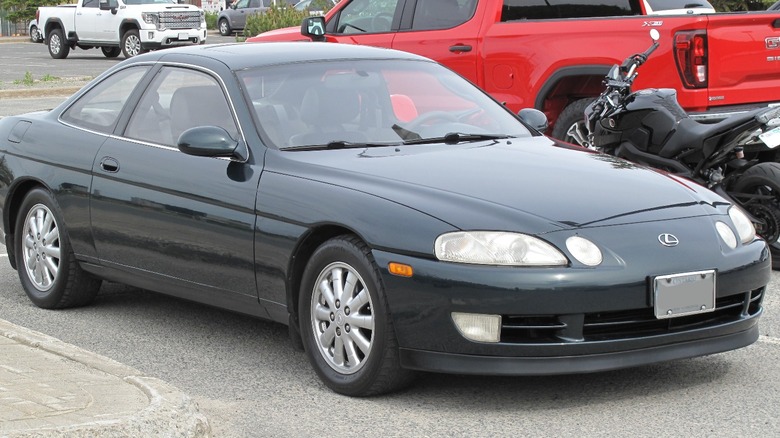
point(557, 9)
point(242, 4)
point(99, 108)
point(442, 14)
point(366, 16)
point(179, 99)
point(90, 4)
point(255, 3)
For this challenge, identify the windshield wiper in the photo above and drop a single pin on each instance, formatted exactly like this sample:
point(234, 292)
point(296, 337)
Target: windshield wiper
point(339, 144)
point(457, 137)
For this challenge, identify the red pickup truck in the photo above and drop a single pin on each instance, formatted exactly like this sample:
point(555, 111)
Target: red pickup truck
point(551, 55)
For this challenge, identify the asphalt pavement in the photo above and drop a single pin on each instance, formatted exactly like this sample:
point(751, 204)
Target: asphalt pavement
point(49, 388)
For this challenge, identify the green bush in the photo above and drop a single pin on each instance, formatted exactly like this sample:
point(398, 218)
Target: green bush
point(211, 20)
point(276, 17)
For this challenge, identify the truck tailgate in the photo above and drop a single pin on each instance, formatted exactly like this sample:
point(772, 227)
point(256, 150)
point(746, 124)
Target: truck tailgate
point(744, 58)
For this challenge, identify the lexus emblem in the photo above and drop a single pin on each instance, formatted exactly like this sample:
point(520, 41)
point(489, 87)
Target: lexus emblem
point(667, 239)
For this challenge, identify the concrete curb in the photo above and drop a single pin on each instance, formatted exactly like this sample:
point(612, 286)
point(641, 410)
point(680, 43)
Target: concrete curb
point(22, 93)
point(170, 413)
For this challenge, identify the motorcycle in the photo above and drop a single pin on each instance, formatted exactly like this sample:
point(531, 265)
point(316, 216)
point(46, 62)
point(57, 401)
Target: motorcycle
point(735, 157)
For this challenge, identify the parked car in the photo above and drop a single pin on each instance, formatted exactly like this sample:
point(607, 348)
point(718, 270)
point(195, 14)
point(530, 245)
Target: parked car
point(395, 216)
point(315, 7)
point(233, 18)
point(35, 34)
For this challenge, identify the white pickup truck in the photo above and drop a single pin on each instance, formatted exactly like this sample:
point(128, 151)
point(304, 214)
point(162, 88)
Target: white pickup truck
point(127, 26)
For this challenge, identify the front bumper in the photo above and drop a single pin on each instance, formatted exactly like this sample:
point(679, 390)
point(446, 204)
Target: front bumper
point(564, 320)
point(153, 39)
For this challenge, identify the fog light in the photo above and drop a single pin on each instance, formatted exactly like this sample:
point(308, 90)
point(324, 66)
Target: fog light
point(151, 35)
point(478, 327)
point(728, 236)
point(584, 250)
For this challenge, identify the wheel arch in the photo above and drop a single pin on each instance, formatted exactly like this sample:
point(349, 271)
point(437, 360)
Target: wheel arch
point(567, 85)
point(16, 194)
point(50, 25)
point(126, 25)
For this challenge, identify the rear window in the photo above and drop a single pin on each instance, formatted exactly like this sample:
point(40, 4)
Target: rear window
point(665, 5)
point(557, 9)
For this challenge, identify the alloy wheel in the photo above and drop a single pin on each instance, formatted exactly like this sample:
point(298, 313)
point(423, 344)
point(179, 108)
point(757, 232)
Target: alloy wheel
point(41, 247)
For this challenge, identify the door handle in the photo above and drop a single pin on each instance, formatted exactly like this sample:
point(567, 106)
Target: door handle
point(460, 48)
point(109, 164)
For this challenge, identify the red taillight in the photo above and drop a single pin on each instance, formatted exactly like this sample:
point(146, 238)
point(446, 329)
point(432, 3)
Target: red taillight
point(690, 54)
point(37, 14)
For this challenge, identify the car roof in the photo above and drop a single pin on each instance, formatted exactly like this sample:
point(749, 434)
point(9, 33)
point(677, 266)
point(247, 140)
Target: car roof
point(239, 56)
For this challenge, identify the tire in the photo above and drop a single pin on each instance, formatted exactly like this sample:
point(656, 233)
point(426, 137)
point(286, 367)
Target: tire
point(111, 52)
point(361, 357)
point(224, 27)
point(762, 179)
point(131, 43)
point(58, 46)
point(47, 268)
point(573, 114)
point(35, 34)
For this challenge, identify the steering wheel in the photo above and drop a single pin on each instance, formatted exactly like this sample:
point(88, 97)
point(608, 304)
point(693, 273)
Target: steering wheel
point(344, 27)
point(430, 117)
point(382, 22)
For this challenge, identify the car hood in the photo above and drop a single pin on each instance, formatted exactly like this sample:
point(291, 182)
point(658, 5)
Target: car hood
point(509, 185)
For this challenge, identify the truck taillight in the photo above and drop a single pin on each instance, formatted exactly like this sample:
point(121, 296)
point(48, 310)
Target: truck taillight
point(690, 55)
point(37, 14)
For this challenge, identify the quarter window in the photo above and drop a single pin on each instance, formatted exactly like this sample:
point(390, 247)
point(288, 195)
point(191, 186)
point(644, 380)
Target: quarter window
point(100, 107)
point(179, 99)
point(557, 9)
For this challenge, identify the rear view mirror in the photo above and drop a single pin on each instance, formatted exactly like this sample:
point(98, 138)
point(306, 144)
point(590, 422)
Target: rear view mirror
point(534, 118)
point(314, 28)
point(107, 5)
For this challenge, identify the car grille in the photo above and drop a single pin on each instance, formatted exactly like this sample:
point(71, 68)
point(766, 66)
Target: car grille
point(180, 19)
point(625, 324)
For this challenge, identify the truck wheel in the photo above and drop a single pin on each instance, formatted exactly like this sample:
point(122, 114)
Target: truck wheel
point(111, 52)
point(224, 27)
point(131, 43)
point(47, 267)
point(570, 126)
point(58, 47)
point(35, 34)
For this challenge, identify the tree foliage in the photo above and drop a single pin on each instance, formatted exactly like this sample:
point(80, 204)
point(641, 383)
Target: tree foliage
point(740, 5)
point(24, 10)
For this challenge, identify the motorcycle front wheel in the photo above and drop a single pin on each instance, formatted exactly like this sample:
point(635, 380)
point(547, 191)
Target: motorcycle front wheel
point(758, 191)
point(570, 125)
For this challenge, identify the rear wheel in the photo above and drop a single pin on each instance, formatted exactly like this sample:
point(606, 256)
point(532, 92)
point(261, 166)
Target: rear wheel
point(758, 191)
point(570, 126)
point(111, 52)
point(35, 34)
point(58, 46)
point(345, 324)
point(47, 267)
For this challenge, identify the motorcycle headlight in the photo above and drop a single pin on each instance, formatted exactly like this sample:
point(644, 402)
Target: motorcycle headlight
point(497, 248)
point(745, 229)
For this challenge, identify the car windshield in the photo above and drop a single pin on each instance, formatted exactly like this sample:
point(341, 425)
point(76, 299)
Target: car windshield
point(372, 102)
point(149, 2)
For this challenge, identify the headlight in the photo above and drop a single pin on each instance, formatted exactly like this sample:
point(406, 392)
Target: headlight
point(726, 234)
point(151, 18)
point(584, 250)
point(497, 248)
point(745, 229)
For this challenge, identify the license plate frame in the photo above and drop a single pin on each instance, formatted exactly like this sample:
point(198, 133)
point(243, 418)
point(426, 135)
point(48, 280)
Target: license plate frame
point(771, 138)
point(687, 293)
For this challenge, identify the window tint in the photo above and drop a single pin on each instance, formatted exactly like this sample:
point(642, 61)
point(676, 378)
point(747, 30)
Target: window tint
point(665, 5)
point(556, 9)
point(442, 14)
point(179, 99)
point(90, 4)
point(366, 16)
point(99, 108)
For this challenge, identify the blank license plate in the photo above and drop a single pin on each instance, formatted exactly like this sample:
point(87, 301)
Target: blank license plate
point(184, 36)
point(771, 138)
point(684, 294)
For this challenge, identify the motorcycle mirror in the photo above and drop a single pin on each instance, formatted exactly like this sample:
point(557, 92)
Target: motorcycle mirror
point(654, 34)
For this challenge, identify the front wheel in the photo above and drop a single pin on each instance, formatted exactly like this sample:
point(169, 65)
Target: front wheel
point(58, 47)
point(346, 327)
point(111, 52)
point(47, 267)
point(224, 27)
point(570, 125)
point(758, 191)
point(131, 43)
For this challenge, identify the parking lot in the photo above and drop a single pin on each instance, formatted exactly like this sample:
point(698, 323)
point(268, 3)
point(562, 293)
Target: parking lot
point(249, 382)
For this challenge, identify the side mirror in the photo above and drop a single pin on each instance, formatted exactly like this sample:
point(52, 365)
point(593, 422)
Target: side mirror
point(109, 5)
point(534, 118)
point(314, 28)
point(654, 34)
point(207, 141)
